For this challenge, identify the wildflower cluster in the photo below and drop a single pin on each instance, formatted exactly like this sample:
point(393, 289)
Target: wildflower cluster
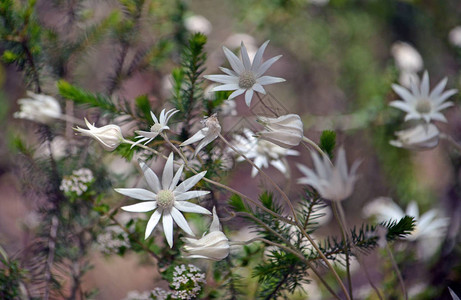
point(77, 183)
point(187, 282)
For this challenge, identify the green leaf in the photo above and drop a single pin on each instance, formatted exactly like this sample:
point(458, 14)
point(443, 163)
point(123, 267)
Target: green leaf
point(143, 104)
point(266, 199)
point(328, 142)
point(237, 203)
point(9, 57)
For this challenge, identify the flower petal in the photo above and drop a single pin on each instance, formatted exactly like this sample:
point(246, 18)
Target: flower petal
point(167, 175)
point(226, 87)
point(167, 221)
point(153, 221)
point(236, 93)
point(176, 178)
point(245, 57)
point(191, 207)
point(190, 195)
point(189, 182)
point(151, 178)
point(141, 207)
point(258, 57)
point(140, 194)
point(265, 80)
point(181, 221)
point(223, 78)
point(266, 65)
point(248, 97)
point(234, 61)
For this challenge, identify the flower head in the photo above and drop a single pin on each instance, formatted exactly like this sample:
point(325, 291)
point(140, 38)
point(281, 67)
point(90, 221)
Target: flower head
point(167, 199)
point(334, 183)
point(156, 129)
point(197, 23)
point(214, 245)
point(109, 136)
point(39, 108)
point(262, 152)
point(205, 135)
point(407, 58)
point(420, 137)
point(246, 77)
point(420, 104)
point(429, 230)
point(285, 131)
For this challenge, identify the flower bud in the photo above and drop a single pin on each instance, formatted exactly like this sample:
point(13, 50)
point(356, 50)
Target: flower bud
point(110, 136)
point(214, 245)
point(285, 131)
point(420, 137)
point(206, 135)
point(38, 108)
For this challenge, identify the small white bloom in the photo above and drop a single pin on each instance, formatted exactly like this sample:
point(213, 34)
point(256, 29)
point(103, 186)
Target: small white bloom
point(39, 108)
point(407, 58)
point(455, 36)
point(167, 199)
point(262, 152)
point(420, 137)
point(156, 129)
point(205, 135)
point(246, 77)
point(214, 245)
point(197, 23)
point(285, 131)
point(109, 136)
point(429, 231)
point(420, 104)
point(333, 183)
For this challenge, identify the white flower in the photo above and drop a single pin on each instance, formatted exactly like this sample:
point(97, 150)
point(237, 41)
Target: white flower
point(407, 58)
point(420, 137)
point(214, 245)
point(262, 152)
point(167, 199)
point(39, 108)
point(246, 77)
point(429, 231)
point(207, 134)
point(156, 129)
point(420, 104)
point(333, 183)
point(109, 136)
point(455, 36)
point(285, 131)
point(197, 23)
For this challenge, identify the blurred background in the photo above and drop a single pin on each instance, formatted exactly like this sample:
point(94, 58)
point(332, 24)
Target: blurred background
point(339, 60)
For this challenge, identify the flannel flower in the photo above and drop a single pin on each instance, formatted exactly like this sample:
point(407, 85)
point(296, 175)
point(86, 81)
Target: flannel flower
point(420, 137)
point(262, 152)
point(167, 199)
point(205, 135)
point(333, 183)
point(430, 227)
point(156, 129)
point(419, 103)
point(214, 245)
point(109, 136)
point(39, 108)
point(285, 131)
point(246, 77)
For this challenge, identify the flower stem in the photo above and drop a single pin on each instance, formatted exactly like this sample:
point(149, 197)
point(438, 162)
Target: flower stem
point(295, 217)
point(397, 271)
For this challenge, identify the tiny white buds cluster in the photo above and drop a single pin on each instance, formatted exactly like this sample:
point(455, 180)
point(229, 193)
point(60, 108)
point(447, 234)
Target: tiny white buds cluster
point(285, 131)
point(109, 136)
point(39, 108)
point(78, 182)
point(187, 281)
point(420, 137)
point(112, 240)
point(205, 135)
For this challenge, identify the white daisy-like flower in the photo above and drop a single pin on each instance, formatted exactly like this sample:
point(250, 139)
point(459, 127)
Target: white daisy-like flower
point(333, 183)
point(156, 129)
point(39, 108)
point(262, 152)
point(420, 137)
point(166, 198)
point(419, 103)
point(430, 227)
point(246, 77)
point(205, 135)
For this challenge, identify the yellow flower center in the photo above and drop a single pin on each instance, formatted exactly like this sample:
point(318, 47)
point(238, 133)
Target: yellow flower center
point(423, 106)
point(156, 128)
point(165, 199)
point(247, 80)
